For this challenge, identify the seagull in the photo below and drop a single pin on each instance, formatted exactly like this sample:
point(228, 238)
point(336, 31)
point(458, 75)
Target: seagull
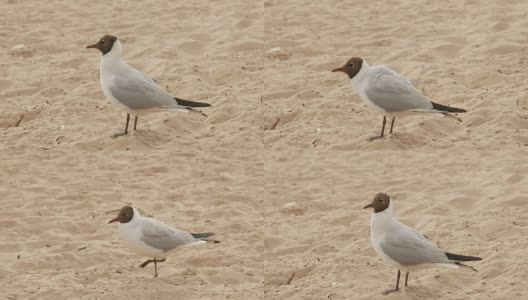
point(403, 247)
point(391, 93)
point(151, 238)
point(132, 90)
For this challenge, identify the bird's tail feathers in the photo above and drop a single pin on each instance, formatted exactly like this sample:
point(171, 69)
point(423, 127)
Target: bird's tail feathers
point(458, 259)
point(451, 116)
point(195, 111)
point(196, 243)
point(181, 109)
point(172, 108)
point(465, 266)
point(204, 237)
point(436, 112)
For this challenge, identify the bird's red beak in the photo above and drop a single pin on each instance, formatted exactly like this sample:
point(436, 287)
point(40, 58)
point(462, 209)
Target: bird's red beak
point(91, 46)
point(114, 220)
point(368, 205)
point(340, 69)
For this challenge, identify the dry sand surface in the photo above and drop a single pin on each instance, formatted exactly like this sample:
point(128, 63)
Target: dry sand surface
point(198, 50)
point(55, 214)
point(473, 204)
point(232, 54)
point(469, 54)
point(264, 170)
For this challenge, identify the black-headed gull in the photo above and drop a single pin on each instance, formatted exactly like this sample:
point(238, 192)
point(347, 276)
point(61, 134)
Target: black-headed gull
point(151, 238)
point(132, 90)
point(391, 93)
point(402, 246)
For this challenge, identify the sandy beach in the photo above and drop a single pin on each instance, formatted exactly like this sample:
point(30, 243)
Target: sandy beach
point(190, 48)
point(468, 54)
point(57, 243)
point(472, 204)
point(281, 166)
point(262, 66)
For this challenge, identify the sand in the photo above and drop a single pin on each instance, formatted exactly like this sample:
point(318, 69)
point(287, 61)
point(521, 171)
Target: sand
point(57, 243)
point(191, 48)
point(472, 203)
point(468, 54)
point(281, 167)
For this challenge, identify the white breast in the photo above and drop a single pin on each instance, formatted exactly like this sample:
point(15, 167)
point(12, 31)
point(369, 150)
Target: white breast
point(378, 228)
point(360, 83)
point(110, 68)
point(131, 234)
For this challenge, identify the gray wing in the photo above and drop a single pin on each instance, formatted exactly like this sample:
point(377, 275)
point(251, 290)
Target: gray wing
point(147, 78)
point(408, 248)
point(161, 236)
point(393, 92)
point(137, 91)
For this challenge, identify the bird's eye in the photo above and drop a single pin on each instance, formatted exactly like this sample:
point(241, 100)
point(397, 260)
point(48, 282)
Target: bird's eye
point(351, 65)
point(381, 200)
point(101, 42)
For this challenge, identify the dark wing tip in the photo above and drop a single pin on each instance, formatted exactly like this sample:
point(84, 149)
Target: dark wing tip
point(191, 103)
point(202, 235)
point(448, 108)
point(458, 257)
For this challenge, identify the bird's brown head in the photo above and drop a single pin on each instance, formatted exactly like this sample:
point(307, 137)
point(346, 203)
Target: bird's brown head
point(351, 68)
point(104, 44)
point(380, 202)
point(125, 215)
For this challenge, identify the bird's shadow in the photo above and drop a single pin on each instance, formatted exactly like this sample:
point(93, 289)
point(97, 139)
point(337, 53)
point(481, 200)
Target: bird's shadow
point(374, 138)
point(391, 291)
point(118, 134)
point(390, 137)
point(415, 292)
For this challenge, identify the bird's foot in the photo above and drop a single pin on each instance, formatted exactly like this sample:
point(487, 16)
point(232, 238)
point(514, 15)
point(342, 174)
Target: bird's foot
point(146, 263)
